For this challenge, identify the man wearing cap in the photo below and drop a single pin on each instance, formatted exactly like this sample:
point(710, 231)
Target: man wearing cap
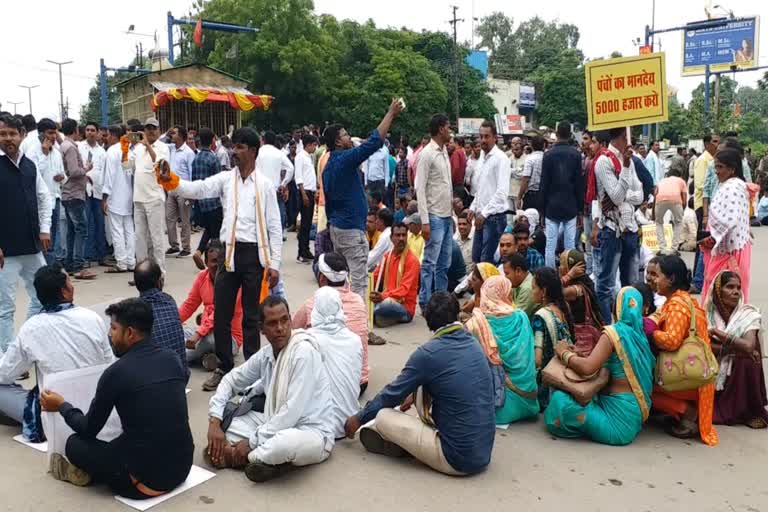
point(434, 193)
point(148, 195)
point(415, 237)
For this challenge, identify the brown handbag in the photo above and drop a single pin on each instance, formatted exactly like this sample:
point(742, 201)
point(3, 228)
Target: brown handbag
point(582, 389)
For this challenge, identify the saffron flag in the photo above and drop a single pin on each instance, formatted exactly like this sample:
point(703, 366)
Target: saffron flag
point(197, 36)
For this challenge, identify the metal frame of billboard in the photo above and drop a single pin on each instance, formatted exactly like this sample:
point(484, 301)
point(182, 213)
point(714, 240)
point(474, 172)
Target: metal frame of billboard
point(700, 69)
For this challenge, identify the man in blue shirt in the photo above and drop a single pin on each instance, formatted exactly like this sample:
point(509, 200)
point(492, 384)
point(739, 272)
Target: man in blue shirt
point(345, 203)
point(456, 437)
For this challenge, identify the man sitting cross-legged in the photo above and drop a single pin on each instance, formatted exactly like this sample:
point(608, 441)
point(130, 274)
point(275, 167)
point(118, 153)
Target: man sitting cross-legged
point(396, 282)
point(201, 345)
point(342, 354)
point(146, 385)
point(167, 331)
point(295, 428)
point(333, 272)
point(451, 373)
point(62, 337)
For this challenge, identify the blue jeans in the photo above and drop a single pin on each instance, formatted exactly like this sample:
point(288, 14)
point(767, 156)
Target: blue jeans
point(487, 238)
point(77, 231)
point(60, 248)
point(388, 312)
point(698, 271)
point(96, 242)
point(616, 253)
point(13, 398)
point(552, 232)
point(588, 249)
point(437, 258)
point(16, 267)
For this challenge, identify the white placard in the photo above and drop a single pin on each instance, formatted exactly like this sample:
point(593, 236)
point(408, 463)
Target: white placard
point(197, 476)
point(78, 388)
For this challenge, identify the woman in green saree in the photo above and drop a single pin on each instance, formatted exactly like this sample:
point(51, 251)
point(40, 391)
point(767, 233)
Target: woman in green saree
point(505, 334)
point(615, 415)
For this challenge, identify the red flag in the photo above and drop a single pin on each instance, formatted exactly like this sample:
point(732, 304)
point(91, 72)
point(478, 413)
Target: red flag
point(197, 36)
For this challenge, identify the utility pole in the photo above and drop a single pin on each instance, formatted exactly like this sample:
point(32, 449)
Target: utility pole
point(61, 88)
point(14, 103)
point(29, 90)
point(455, 23)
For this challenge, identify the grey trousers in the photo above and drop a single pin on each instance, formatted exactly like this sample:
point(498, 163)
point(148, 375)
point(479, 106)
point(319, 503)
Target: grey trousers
point(206, 345)
point(176, 207)
point(351, 244)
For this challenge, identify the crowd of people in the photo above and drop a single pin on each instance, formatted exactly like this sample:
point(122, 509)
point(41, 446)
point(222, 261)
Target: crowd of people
point(527, 265)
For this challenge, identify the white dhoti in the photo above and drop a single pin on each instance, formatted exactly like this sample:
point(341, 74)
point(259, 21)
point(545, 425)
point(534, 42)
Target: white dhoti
point(298, 446)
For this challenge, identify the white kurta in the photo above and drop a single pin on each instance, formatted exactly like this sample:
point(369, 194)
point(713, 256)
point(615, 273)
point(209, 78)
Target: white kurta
point(118, 183)
point(300, 431)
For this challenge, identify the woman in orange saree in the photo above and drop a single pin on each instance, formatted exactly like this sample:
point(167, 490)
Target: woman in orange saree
point(692, 410)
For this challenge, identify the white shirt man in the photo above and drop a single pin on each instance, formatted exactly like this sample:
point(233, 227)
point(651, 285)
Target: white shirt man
point(223, 155)
point(305, 172)
point(48, 166)
point(382, 247)
point(149, 199)
point(181, 160)
point(68, 339)
point(97, 156)
point(270, 162)
point(296, 426)
point(29, 142)
point(118, 192)
point(377, 166)
point(493, 188)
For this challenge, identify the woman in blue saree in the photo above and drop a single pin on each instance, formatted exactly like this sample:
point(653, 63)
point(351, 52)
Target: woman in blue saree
point(505, 334)
point(615, 415)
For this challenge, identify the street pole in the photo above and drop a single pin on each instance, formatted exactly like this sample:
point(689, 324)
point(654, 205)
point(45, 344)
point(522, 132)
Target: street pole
point(29, 91)
point(455, 23)
point(14, 103)
point(61, 87)
point(717, 103)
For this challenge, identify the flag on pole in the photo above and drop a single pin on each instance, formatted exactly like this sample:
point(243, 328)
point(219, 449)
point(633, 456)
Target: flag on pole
point(197, 36)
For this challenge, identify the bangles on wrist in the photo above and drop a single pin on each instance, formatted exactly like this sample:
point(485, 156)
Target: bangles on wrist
point(567, 357)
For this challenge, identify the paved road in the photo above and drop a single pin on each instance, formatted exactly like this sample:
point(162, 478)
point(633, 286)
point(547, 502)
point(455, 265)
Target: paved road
point(530, 470)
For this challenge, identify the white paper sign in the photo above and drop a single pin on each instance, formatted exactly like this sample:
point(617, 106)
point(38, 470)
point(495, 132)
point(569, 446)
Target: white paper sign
point(78, 388)
point(197, 476)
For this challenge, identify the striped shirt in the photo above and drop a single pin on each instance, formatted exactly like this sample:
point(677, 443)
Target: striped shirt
point(625, 191)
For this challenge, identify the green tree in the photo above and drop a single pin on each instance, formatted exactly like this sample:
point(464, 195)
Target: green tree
point(678, 127)
point(561, 92)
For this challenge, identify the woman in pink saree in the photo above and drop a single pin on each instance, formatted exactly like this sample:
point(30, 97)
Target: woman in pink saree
point(729, 245)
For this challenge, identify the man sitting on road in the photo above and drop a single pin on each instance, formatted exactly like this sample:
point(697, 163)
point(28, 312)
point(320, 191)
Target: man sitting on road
point(333, 272)
point(516, 270)
point(146, 385)
point(199, 341)
point(415, 238)
point(342, 354)
point(451, 370)
point(295, 428)
point(62, 337)
point(396, 283)
point(167, 331)
point(522, 236)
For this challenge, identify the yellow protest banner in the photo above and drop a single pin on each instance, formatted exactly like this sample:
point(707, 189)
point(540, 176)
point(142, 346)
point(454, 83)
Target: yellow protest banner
point(626, 91)
point(650, 240)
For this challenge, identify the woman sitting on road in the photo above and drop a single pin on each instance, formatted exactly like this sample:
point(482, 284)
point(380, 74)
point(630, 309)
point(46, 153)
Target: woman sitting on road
point(692, 410)
point(551, 323)
point(505, 334)
point(734, 328)
point(481, 272)
point(615, 415)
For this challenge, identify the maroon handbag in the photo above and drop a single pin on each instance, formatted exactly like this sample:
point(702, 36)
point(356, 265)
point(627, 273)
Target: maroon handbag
point(586, 334)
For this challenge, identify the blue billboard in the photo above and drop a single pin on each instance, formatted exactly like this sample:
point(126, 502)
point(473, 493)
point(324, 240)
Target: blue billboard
point(733, 44)
point(478, 59)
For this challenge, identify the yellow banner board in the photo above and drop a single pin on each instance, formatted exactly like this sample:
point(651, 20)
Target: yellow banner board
point(626, 91)
point(650, 239)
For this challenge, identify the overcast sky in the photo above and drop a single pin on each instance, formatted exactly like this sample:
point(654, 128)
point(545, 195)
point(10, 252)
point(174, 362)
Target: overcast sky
point(85, 31)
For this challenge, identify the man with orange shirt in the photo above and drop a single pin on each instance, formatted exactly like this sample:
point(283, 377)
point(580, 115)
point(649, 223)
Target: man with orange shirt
point(397, 276)
point(199, 341)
